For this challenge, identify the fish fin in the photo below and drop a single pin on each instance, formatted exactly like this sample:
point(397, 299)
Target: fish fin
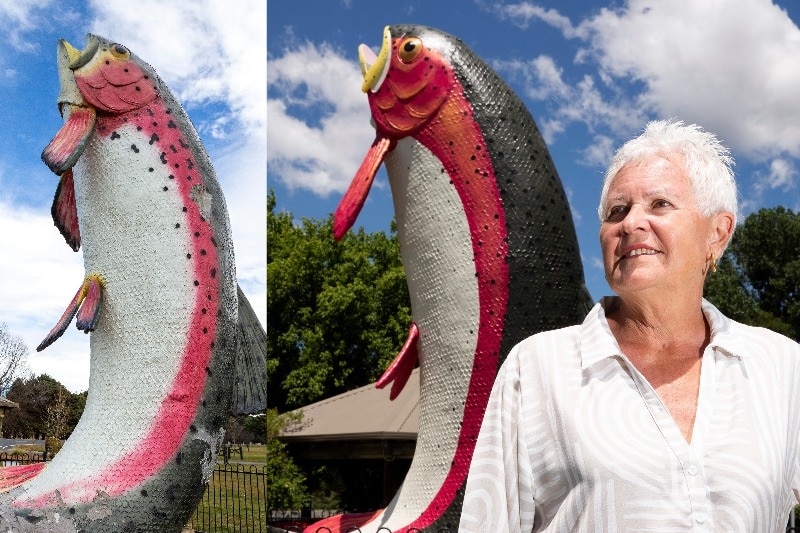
point(400, 369)
point(251, 361)
point(65, 210)
point(70, 141)
point(89, 312)
point(13, 476)
point(353, 200)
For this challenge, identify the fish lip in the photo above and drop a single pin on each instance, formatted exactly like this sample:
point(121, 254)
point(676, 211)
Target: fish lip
point(374, 68)
point(83, 56)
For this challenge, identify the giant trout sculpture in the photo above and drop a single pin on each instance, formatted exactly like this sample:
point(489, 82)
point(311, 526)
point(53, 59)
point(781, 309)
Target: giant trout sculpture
point(487, 242)
point(139, 195)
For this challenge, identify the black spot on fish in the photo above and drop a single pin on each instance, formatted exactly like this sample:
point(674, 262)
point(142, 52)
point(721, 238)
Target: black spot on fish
point(196, 283)
point(172, 147)
point(177, 225)
point(171, 124)
point(150, 169)
point(205, 330)
point(144, 493)
point(137, 88)
point(177, 165)
point(163, 158)
point(183, 143)
point(213, 242)
point(150, 112)
point(188, 178)
point(193, 429)
point(213, 272)
point(115, 135)
point(153, 138)
point(138, 128)
point(204, 310)
point(184, 209)
point(208, 371)
point(196, 233)
point(203, 403)
point(179, 458)
point(165, 188)
point(71, 510)
point(188, 256)
point(190, 164)
point(172, 176)
point(202, 252)
point(134, 148)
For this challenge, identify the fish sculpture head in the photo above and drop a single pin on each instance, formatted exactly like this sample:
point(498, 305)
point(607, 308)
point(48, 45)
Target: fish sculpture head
point(107, 77)
point(407, 82)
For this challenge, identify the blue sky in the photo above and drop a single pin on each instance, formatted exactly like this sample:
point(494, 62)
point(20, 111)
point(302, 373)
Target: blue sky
point(212, 55)
point(591, 73)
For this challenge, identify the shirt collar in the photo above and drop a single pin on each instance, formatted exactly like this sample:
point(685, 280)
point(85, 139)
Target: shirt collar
point(598, 343)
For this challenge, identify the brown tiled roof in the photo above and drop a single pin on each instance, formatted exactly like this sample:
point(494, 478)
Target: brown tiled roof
point(363, 413)
point(8, 403)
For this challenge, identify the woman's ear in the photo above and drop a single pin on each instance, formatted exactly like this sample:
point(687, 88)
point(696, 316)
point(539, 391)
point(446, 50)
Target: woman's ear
point(722, 230)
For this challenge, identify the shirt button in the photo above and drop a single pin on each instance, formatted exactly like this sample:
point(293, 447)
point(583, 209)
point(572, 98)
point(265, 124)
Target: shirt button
point(700, 518)
point(692, 470)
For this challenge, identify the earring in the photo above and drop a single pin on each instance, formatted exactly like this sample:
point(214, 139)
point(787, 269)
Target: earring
point(713, 263)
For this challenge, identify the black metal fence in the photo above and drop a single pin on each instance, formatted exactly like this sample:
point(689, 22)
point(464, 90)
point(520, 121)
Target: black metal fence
point(21, 458)
point(235, 500)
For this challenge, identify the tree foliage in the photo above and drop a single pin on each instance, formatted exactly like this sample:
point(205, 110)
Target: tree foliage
point(338, 312)
point(46, 408)
point(758, 278)
point(286, 482)
point(13, 358)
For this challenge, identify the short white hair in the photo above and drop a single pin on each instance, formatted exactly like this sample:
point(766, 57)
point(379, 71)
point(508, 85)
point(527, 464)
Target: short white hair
point(708, 164)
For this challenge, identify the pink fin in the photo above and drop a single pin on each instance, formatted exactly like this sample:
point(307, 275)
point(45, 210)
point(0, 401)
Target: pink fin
point(91, 291)
point(400, 369)
point(13, 476)
point(90, 308)
point(65, 211)
point(70, 141)
point(353, 200)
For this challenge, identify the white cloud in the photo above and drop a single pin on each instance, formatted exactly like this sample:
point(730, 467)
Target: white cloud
point(212, 52)
point(319, 156)
point(40, 276)
point(735, 71)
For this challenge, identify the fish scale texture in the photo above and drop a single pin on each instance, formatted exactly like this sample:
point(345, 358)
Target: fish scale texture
point(488, 246)
point(154, 226)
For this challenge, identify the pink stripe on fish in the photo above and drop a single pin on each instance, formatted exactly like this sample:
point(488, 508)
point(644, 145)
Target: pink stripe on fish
point(173, 419)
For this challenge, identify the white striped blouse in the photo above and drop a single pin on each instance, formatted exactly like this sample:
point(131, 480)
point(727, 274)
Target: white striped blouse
point(575, 439)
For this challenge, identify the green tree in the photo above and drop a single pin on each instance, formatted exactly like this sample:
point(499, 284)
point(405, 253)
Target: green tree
point(286, 488)
point(758, 278)
point(338, 312)
point(46, 408)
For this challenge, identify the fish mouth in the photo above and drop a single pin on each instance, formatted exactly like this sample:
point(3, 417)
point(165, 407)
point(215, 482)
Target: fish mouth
point(78, 58)
point(69, 59)
point(374, 68)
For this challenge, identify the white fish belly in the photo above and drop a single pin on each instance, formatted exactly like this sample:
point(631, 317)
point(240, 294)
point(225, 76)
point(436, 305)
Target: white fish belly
point(134, 236)
point(436, 249)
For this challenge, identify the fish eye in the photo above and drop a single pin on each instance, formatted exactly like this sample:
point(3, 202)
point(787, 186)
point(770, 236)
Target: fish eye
point(119, 51)
point(410, 49)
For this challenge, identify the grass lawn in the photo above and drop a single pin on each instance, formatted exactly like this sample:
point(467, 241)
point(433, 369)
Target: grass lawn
point(236, 497)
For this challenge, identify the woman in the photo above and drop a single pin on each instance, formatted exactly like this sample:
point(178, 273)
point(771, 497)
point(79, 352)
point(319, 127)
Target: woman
point(657, 413)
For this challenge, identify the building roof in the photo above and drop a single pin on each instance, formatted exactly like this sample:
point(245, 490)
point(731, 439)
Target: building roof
point(363, 413)
point(6, 403)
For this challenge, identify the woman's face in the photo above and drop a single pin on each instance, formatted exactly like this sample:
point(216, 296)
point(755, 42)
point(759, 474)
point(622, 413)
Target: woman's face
point(652, 234)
